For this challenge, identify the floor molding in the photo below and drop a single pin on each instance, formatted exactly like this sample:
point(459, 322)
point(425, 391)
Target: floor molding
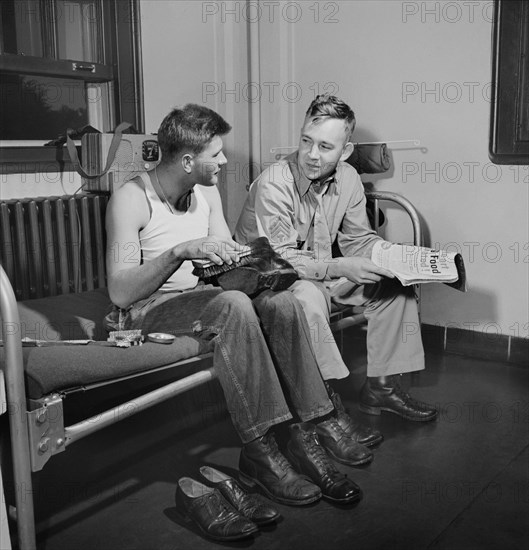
point(478, 344)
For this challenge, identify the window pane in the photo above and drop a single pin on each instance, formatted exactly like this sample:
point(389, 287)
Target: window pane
point(100, 106)
point(35, 107)
point(21, 27)
point(79, 33)
point(39, 105)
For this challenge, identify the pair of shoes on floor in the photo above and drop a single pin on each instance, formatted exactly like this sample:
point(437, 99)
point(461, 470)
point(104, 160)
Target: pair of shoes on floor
point(224, 512)
point(302, 478)
point(384, 393)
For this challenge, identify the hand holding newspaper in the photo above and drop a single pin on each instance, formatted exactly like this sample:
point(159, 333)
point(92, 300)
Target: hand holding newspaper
point(417, 264)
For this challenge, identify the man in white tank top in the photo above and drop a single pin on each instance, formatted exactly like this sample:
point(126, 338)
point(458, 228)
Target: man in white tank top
point(156, 225)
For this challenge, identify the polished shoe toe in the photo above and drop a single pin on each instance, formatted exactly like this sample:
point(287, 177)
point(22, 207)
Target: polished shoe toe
point(309, 457)
point(344, 491)
point(364, 435)
point(214, 516)
point(250, 505)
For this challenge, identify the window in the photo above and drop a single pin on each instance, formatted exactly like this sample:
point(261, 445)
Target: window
point(65, 64)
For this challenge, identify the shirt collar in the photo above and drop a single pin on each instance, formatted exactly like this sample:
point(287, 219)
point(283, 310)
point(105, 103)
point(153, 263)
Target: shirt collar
point(302, 182)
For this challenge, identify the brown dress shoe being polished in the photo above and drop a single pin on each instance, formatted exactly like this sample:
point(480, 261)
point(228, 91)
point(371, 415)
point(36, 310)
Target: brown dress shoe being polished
point(215, 517)
point(309, 457)
point(251, 506)
point(383, 393)
point(262, 464)
point(340, 446)
point(358, 432)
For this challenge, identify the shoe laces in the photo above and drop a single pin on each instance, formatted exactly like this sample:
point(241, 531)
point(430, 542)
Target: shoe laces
point(318, 453)
point(335, 425)
point(237, 489)
point(216, 502)
point(277, 455)
point(407, 398)
point(249, 502)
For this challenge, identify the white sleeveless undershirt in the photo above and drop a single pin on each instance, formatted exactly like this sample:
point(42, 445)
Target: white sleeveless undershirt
point(166, 230)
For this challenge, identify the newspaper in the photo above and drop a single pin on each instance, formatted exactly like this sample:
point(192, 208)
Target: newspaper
point(417, 264)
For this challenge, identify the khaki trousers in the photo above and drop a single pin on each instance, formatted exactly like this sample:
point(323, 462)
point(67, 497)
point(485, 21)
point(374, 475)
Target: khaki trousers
point(394, 343)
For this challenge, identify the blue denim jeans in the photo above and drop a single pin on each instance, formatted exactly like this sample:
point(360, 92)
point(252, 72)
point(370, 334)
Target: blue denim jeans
point(262, 351)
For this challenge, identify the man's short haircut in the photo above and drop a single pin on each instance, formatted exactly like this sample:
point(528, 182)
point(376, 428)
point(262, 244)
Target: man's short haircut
point(189, 130)
point(329, 106)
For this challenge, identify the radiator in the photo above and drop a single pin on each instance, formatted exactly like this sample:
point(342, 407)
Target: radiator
point(53, 245)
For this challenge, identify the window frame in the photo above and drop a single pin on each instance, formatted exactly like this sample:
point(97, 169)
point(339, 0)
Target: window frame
point(510, 83)
point(122, 45)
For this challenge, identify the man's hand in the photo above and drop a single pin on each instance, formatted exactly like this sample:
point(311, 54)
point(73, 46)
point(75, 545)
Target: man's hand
point(216, 249)
point(358, 270)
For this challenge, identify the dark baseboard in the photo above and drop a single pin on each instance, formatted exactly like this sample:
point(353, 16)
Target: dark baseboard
point(473, 343)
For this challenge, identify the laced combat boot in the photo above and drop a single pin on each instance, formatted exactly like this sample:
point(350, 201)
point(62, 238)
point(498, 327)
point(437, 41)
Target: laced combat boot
point(262, 464)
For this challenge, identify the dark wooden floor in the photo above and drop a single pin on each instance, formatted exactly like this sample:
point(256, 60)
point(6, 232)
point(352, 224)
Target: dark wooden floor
point(458, 483)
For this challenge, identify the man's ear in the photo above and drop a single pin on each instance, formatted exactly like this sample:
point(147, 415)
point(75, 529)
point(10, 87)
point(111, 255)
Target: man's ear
point(187, 163)
point(347, 150)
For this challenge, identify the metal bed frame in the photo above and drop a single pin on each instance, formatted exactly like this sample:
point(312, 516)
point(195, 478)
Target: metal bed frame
point(37, 430)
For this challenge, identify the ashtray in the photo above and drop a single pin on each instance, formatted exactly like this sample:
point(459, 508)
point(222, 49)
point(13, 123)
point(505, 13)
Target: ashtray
point(161, 337)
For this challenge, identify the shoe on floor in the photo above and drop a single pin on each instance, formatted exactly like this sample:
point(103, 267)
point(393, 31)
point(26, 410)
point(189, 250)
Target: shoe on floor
point(365, 435)
point(384, 394)
point(262, 465)
point(251, 506)
point(215, 517)
point(309, 457)
point(339, 445)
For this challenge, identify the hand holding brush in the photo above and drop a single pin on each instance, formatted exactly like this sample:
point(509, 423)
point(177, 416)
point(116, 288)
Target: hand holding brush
point(259, 267)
